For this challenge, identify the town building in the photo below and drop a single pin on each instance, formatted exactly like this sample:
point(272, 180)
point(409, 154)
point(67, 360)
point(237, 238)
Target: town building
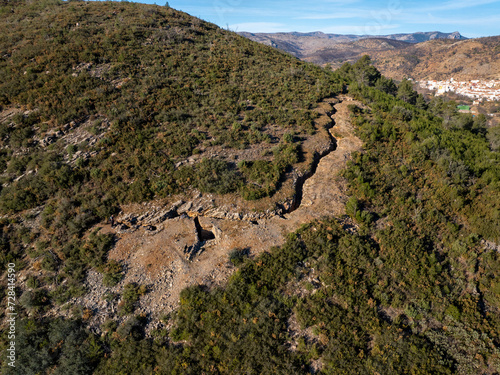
point(475, 89)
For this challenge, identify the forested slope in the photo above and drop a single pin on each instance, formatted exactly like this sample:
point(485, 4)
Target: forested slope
point(161, 85)
point(107, 103)
point(407, 284)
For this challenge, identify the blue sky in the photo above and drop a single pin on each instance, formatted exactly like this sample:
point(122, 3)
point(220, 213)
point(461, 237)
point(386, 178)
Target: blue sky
point(472, 18)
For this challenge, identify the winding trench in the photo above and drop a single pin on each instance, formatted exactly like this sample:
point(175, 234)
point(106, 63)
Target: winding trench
point(323, 192)
point(212, 233)
point(318, 192)
point(299, 184)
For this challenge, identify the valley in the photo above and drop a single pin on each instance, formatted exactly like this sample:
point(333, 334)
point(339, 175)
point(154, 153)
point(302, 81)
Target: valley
point(421, 56)
point(309, 46)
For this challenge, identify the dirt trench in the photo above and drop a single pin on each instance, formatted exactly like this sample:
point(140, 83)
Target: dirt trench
point(161, 258)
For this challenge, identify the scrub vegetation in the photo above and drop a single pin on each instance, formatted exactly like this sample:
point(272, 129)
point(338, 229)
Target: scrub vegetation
point(411, 287)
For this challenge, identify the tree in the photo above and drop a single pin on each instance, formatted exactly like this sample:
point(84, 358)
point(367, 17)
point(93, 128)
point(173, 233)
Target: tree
point(406, 92)
point(420, 102)
point(365, 73)
point(386, 85)
point(494, 138)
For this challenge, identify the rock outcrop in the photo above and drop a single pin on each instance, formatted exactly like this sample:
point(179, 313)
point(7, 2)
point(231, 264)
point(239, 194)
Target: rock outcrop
point(168, 247)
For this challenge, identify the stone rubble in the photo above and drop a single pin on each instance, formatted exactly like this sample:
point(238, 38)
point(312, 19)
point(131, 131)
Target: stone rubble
point(168, 247)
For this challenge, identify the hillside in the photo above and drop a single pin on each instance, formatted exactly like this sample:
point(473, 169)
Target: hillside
point(352, 51)
point(443, 59)
point(177, 199)
point(430, 60)
point(114, 108)
point(422, 56)
point(134, 120)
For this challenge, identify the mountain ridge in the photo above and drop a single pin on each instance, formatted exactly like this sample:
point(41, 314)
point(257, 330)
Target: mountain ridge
point(303, 44)
point(431, 60)
point(422, 55)
point(443, 59)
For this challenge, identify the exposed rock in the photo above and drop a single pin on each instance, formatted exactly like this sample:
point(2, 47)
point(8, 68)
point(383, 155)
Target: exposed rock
point(48, 140)
point(123, 227)
point(164, 215)
point(217, 233)
point(172, 246)
point(185, 208)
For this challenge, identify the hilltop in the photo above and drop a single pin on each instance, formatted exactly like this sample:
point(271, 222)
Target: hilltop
point(352, 51)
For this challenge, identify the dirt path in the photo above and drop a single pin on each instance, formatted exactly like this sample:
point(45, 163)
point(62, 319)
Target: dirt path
point(324, 193)
point(158, 258)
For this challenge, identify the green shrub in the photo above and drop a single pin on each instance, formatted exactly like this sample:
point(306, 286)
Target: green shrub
point(131, 294)
point(238, 256)
point(113, 273)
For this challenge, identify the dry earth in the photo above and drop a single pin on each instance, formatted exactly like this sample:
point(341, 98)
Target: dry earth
point(172, 247)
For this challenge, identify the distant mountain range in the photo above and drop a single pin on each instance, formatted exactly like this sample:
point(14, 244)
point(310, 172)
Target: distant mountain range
point(303, 45)
point(421, 55)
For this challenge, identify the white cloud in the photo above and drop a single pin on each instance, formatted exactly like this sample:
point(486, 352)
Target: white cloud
point(460, 4)
point(341, 2)
point(457, 21)
point(259, 27)
point(367, 29)
point(333, 16)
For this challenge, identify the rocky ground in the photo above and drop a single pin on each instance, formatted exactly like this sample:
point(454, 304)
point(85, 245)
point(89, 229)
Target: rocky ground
point(168, 247)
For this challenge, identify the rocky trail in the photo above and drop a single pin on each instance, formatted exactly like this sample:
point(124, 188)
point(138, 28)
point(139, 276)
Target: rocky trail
point(189, 243)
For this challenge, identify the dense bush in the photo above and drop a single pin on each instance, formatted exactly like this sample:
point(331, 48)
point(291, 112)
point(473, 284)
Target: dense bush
point(58, 346)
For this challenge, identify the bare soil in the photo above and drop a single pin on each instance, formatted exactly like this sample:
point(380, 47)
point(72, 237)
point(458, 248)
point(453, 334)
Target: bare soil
point(155, 254)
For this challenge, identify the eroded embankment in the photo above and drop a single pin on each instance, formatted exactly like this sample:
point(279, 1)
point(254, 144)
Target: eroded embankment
point(187, 244)
point(324, 193)
point(300, 181)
